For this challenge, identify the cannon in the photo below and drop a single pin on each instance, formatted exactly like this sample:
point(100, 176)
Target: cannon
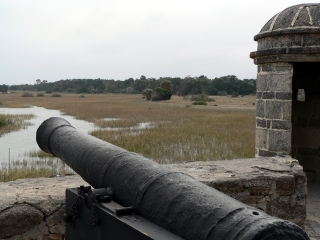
point(166, 200)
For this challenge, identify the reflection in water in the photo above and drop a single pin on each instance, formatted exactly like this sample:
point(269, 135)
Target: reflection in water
point(24, 140)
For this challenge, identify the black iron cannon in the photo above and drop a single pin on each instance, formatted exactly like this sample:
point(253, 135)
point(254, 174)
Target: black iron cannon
point(172, 200)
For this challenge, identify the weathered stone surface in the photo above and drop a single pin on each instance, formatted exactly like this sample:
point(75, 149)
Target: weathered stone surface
point(19, 219)
point(261, 138)
point(285, 185)
point(56, 217)
point(281, 125)
point(268, 95)
point(276, 67)
point(260, 105)
point(261, 122)
point(286, 111)
point(284, 95)
point(273, 109)
point(257, 182)
point(36, 233)
point(25, 203)
point(265, 153)
point(266, 183)
point(274, 82)
point(280, 141)
point(53, 237)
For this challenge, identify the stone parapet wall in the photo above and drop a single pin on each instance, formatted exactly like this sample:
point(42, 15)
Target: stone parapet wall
point(34, 208)
point(273, 109)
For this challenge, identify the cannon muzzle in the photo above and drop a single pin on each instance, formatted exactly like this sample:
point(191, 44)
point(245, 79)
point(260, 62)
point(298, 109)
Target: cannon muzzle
point(172, 200)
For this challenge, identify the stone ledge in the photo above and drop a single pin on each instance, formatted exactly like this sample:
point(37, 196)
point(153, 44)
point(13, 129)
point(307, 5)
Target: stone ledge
point(275, 185)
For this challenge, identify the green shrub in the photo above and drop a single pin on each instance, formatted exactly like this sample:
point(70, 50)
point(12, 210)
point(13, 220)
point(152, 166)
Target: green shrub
point(164, 92)
point(204, 98)
point(82, 96)
point(146, 93)
point(222, 93)
point(235, 94)
point(199, 103)
point(0, 103)
point(56, 95)
point(3, 122)
point(40, 95)
point(27, 94)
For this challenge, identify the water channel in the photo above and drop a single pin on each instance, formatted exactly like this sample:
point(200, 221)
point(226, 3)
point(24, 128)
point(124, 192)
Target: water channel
point(14, 145)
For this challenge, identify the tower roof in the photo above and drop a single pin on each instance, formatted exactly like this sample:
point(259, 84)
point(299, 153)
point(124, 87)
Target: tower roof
point(302, 18)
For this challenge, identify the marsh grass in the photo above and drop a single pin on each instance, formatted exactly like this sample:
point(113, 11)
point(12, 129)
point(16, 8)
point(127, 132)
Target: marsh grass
point(9, 123)
point(38, 154)
point(223, 129)
point(33, 168)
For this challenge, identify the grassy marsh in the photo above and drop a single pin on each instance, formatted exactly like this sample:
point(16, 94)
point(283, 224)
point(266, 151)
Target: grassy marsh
point(31, 169)
point(10, 123)
point(223, 129)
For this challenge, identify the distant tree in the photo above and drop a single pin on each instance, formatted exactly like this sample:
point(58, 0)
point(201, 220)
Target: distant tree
point(164, 92)
point(147, 93)
point(4, 88)
point(234, 94)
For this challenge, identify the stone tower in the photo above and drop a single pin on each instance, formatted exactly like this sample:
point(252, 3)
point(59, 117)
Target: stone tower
point(288, 87)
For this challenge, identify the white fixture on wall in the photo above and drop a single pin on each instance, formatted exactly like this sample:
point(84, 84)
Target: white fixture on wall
point(301, 96)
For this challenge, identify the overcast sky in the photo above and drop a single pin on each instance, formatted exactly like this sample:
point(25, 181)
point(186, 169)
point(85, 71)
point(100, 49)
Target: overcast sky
point(58, 39)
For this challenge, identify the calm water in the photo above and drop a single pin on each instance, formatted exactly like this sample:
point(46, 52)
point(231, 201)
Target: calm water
point(24, 140)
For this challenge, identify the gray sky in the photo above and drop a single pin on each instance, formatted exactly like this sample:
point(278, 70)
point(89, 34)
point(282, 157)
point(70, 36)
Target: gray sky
point(118, 39)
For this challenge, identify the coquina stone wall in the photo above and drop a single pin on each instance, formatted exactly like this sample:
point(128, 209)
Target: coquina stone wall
point(288, 60)
point(273, 109)
point(34, 208)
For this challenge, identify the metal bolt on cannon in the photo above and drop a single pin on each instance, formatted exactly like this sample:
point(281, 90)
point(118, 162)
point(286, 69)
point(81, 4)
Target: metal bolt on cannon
point(136, 198)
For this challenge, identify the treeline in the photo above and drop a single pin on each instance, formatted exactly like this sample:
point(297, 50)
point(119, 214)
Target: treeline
point(181, 86)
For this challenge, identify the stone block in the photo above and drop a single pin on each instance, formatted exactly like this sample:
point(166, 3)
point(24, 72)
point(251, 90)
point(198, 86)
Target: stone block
point(284, 95)
point(53, 237)
point(274, 82)
point(268, 95)
point(260, 108)
point(285, 185)
point(261, 123)
point(276, 67)
point(269, 124)
point(261, 138)
point(57, 229)
point(259, 95)
point(229, 186)
point(19, 219)
point(56, 218)
point(266, 153)
point(287, 110)
point(282, 125)
point(250, 200)
point(261, 83)
point(273, 109)
point(279, 141)
point(297, 214)
point(259, 190)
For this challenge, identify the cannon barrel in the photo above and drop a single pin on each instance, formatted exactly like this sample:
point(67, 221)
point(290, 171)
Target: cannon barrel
point(172, 200)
